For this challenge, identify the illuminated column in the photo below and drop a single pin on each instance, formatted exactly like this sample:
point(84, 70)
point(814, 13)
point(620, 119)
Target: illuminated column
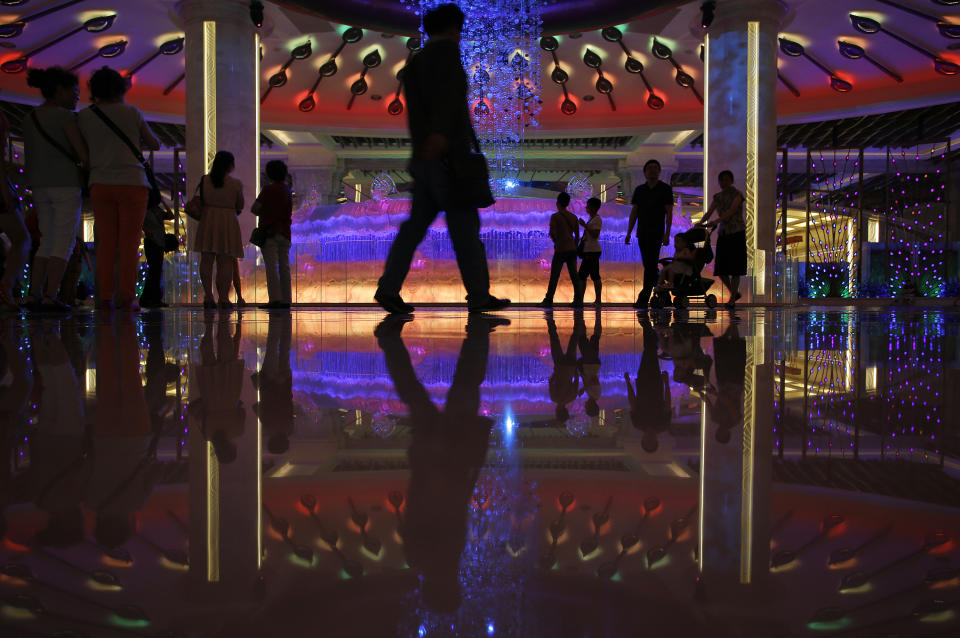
point(222, 88)
point(740, 124)
point(735, 474)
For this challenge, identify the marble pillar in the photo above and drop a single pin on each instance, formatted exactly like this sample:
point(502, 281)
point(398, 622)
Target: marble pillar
point(736, 473)
point(740, 124)
point(223, 105)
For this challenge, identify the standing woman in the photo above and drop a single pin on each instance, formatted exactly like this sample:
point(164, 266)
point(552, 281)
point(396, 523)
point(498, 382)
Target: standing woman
point(11, 225)
point(119, 189)
point(731, 260)
point(218, 232)
point(54, 150)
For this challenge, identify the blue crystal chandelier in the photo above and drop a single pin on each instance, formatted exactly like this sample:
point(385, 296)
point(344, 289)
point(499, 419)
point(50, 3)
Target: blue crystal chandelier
point(501, 56)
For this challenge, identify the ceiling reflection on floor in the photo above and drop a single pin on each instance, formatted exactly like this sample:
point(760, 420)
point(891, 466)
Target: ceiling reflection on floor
point(183, 473)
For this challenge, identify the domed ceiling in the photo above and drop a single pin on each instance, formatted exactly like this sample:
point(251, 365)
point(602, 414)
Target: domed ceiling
point(837, 57)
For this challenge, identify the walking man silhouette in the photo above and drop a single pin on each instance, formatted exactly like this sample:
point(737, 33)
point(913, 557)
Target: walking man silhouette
point(435, 86)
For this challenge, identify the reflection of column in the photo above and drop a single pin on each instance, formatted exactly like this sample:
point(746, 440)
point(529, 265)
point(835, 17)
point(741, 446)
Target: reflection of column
point(223, 106)
point(735, 478)
point(740, 122)
point(225, 472)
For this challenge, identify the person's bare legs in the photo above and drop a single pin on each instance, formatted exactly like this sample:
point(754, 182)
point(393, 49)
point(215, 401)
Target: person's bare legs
point(206, 276)
point(236, 282)
point(226, 267)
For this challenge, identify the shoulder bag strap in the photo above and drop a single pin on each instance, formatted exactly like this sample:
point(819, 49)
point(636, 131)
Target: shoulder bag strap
point(52, 142)
point(123, 136)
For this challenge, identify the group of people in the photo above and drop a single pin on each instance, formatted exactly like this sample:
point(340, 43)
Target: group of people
point(98, 152)
point(104, 142)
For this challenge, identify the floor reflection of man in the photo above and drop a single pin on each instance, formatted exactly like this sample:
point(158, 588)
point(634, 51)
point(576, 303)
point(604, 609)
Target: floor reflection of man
point(447, 451)
point(565, 380)
point(589, 365)
point(275, 384)
point(159, 373)
point(726, 406)
point(650, 404)
point(16, 383)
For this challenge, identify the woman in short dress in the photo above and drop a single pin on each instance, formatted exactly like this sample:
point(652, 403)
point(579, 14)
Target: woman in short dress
point(218, 232)
point(731, 258)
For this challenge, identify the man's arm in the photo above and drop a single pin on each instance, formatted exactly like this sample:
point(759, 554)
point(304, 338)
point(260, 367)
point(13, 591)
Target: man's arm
point(633, 220)
point(668, 220)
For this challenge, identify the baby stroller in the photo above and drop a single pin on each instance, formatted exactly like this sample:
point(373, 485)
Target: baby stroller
point(690, 286)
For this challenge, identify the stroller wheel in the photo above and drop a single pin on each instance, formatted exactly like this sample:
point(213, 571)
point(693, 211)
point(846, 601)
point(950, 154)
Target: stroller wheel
point(711, 301)
point(680, 302)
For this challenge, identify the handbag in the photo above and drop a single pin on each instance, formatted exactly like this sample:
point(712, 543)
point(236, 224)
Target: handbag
point(81, 169)
point(470, 179)
point(171, 243)
point(155, 197)
point(259, 236)
point(194, 208)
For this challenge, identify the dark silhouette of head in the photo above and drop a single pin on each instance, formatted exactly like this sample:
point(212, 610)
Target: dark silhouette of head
point(593, 204)
point(64, 528)
point(276, 170)
point(55, 84)
point(278, 443)
point(442, 19)
point(563, 200)
point(649, 441)
point(223, 163)
point(113, 530)
point(107, 85)
point(722, 435)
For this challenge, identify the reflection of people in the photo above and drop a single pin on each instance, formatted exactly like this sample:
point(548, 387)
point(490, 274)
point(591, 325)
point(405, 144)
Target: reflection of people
point(275, 382)
point(219, 381)
point(447, 452)
point(565, 381)
point(435, 86)
point(159, 373)
point(590, 366)
point(726, 409)
point(731, 260)
point(124, 470)
point(650, 405)
point(652, 212)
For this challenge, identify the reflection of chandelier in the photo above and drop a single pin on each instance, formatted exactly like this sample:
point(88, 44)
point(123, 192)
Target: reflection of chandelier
point(382, 187)
point(501, 56)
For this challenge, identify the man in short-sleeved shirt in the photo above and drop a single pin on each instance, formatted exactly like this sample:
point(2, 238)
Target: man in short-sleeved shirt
point(653, 214)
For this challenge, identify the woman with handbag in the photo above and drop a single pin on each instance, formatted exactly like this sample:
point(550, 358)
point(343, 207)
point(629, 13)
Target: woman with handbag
point(218, 233)
point(54, 152)
point(119, 186)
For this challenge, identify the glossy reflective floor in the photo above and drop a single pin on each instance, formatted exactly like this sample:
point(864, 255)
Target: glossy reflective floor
point(323, 473)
